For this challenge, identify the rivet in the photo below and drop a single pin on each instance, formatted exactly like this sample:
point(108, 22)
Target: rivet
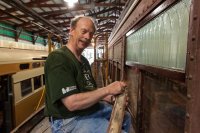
point(193, 38)
point(195, 17)
point(187, 115)
point(191, 57)
point(190, 77)
point(189, 96)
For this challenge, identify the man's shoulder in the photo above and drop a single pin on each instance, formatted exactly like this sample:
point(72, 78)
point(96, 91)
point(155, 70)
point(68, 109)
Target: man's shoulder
point(58, 56)
point(60, 52)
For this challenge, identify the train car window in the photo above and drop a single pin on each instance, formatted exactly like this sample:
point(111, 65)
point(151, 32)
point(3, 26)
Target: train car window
point(24, 66)
point(35, 64)
point(26, 87)
point(172, 46)
point(43, 79)
point(37, 82)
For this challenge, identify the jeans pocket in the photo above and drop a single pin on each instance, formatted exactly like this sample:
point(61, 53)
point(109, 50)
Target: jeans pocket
point(69, 124)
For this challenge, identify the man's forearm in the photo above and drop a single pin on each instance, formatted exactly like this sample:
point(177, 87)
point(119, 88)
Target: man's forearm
point(87, 99)
point(84, 100)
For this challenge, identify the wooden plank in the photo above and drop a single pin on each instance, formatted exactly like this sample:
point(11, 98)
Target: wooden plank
point(117, 116)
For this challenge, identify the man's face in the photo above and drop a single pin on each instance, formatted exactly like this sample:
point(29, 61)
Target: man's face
point(82, 33)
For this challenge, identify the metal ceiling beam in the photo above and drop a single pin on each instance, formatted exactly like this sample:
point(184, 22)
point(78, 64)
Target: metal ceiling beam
point(10, 10)
point(20, 6)
point(63, 25)
point(51, 17)
point(59, 12)
point(78, 9)
point(106, 24)
point(108, 17)
point(5, 18)
point(12, 16)
point(8, 18)
point(77, 5)
point(104, 11)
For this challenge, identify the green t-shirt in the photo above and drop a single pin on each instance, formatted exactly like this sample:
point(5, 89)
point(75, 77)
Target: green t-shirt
point(65, 76)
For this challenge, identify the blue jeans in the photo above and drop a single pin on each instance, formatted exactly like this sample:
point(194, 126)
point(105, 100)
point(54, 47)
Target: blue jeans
point(97, 122)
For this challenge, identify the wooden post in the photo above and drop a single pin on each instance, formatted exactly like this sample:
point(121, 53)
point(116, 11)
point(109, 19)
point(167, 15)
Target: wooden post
point(95, 62)
point(106, 59)
point(60, 40)
point(117, 115)
point(49, 43)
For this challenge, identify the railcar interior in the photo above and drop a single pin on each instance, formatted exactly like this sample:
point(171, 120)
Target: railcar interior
point(153, 45)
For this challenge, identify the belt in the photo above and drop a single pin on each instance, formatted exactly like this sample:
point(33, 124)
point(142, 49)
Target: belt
point(52, 119)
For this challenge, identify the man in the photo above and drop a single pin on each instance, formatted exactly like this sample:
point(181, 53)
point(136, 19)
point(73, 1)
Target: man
point(73, 104)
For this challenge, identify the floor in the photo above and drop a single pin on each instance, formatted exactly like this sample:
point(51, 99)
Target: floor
point(42, 127)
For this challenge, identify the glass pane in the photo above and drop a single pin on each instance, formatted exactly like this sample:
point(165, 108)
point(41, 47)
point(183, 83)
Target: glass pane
point(43, 79)
point(26, 87)
point(37, 82)
point(163, 41)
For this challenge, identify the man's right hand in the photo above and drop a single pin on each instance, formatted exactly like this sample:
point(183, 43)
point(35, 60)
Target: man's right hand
point(116, 87)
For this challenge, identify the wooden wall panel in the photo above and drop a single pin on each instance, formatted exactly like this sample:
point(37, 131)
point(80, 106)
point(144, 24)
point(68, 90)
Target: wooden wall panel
point(163, 105)
point(132, 78)
point(110, 52)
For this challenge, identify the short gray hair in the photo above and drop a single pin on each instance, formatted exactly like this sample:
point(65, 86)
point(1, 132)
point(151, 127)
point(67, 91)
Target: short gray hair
point(76, 19)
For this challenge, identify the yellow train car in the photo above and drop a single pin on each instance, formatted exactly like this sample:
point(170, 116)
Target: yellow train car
point(21, 85)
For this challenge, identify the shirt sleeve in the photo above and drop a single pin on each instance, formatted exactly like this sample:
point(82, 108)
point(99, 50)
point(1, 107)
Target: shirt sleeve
point(61, 77)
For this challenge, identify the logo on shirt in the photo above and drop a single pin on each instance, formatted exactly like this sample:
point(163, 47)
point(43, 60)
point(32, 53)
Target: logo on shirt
point(68, 89)
point(88, 77)
point(88, 80)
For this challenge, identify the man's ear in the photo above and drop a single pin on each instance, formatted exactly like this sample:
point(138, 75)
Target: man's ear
point(71, 30)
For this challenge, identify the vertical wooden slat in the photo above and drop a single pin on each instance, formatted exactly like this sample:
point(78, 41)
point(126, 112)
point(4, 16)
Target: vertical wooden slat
point(49, 43)
point(106, 59)
point(193, 70)
point(95, 62)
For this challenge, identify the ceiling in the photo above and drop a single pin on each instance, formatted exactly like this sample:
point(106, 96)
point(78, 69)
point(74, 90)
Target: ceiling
point(53, 16)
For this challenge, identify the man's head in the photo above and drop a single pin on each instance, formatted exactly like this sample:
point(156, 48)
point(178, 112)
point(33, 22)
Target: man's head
point(82, 30)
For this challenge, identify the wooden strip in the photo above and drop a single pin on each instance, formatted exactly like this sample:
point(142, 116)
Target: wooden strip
point(117, 116)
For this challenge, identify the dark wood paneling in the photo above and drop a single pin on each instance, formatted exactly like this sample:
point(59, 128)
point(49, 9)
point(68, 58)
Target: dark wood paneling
point(163, 105)
point(193, 70)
